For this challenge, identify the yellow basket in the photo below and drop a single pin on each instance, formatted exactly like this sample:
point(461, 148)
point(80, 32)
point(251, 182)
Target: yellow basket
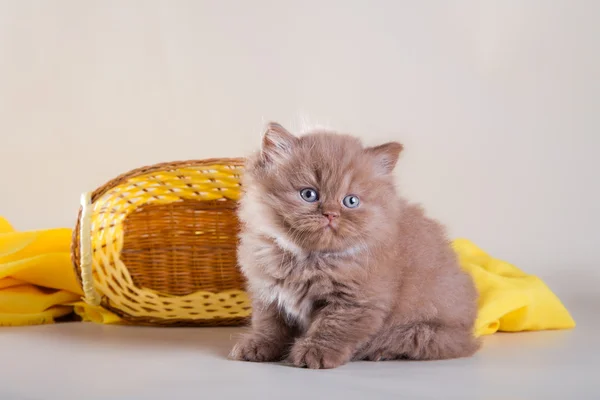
point(157, 245)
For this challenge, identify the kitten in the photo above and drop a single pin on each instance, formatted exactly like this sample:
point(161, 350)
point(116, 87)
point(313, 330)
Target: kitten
point(339, 266)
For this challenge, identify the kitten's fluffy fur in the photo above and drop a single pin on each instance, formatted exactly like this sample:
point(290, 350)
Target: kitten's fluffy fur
point(380, 282)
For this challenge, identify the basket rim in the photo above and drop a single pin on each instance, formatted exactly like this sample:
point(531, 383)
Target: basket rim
point(98, 192)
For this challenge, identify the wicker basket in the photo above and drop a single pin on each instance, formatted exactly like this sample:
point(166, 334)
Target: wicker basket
point(157, 245)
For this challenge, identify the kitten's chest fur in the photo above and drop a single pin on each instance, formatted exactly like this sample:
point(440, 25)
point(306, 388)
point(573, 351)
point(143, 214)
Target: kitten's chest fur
point(295, 283)
point(295, 300)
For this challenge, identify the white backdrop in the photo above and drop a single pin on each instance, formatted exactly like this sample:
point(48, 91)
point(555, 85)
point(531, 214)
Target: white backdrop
point(497, 103)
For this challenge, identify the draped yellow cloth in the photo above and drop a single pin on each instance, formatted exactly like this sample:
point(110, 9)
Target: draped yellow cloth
point(509, 299)
point(36, 277)
point(38, 285)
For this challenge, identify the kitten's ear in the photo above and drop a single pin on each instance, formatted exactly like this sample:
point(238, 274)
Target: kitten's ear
point(277, 142)
point(386, 156)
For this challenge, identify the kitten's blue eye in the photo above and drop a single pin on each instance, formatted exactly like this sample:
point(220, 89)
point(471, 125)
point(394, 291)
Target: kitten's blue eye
point(309, 195)
point(351, 201)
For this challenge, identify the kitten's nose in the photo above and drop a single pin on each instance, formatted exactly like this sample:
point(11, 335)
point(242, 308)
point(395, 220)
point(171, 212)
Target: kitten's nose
point(331, 215)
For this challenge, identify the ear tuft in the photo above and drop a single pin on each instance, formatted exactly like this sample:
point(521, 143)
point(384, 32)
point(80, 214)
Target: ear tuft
point(386, 156)
point(277, 142)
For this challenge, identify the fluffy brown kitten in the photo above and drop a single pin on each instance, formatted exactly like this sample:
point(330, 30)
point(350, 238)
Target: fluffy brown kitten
point(339, 266)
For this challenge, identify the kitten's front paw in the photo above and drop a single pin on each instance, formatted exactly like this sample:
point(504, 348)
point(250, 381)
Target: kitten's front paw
point(306, 353)
point(256, 349)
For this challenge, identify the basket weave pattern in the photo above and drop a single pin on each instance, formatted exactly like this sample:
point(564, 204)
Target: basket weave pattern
point(163, 242)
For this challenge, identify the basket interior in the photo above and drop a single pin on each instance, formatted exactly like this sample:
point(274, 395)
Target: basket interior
point(183, 247)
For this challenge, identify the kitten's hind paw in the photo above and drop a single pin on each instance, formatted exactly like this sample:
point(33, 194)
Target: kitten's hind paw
point(306, 353)
point(256, 349)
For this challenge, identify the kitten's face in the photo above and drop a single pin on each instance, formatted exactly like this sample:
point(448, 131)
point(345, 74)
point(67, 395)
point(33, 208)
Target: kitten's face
point(321, 192)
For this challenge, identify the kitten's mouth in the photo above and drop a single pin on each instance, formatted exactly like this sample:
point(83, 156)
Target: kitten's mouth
point(330, 226)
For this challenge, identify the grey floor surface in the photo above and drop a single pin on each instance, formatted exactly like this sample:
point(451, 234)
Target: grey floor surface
point(86, 361)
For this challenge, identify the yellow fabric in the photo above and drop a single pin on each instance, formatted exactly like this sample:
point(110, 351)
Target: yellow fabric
point(97, 314)
point(36, 277)
point(38, 284)
point(509, 299)
point(37, 281)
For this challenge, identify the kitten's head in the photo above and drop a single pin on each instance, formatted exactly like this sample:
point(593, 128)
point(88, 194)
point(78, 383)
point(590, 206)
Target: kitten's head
point(320, 192)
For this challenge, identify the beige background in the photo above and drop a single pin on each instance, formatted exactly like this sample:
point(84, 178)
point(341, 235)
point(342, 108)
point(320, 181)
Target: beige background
point(496, 101)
